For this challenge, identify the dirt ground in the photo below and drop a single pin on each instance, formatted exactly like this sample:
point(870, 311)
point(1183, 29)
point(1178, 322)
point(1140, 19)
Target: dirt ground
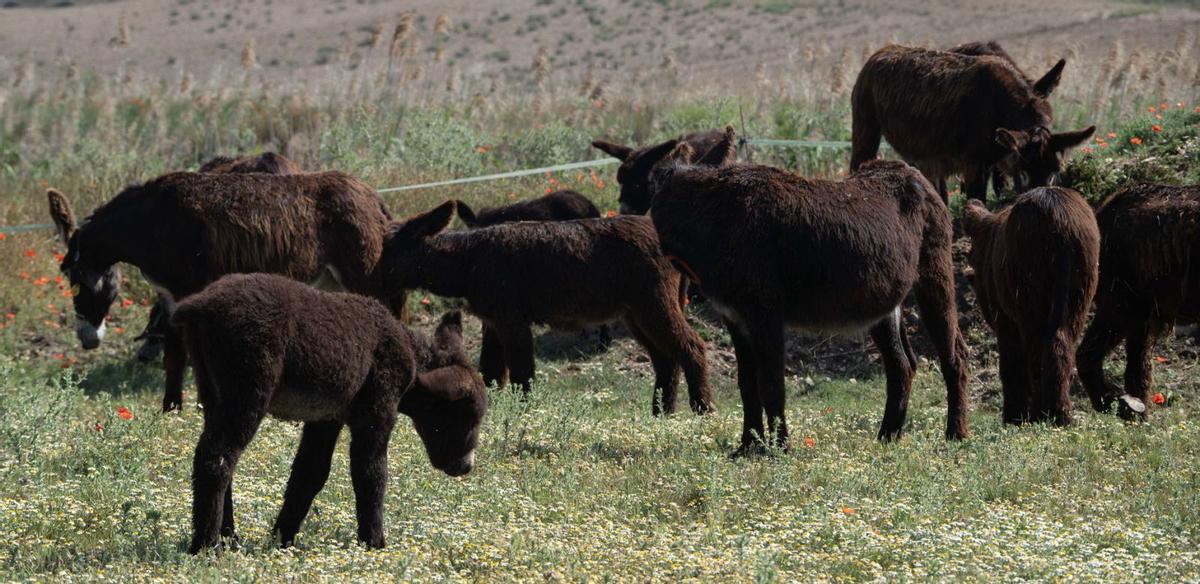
point(295, 40)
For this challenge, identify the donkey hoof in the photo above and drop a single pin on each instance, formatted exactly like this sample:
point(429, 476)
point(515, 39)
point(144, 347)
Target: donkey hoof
point(171, 405)
point(888, 435)
point(1131, 408)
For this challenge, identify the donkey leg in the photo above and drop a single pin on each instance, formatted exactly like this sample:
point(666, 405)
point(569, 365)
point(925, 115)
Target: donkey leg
point(666, 373)
point(666, 326)
point(765, 333)
point(753, 433)
point(368, 472)
point(975, 184)
point(1101, 337)
point(491, 358)
point(221, 445)
point(175, 360)
point(1053, 400)
point(517, 342)
point(310, 470)
point(888, 337)
point(1014, 373)
point(865, 132)
point(1139, 372)
point(935, 299)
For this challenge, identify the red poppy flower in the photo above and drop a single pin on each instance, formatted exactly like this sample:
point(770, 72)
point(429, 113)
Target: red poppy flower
point(1156, 128)
point(99, 427)
point(848, 511)
point(425, 301)
point(810, 442)
point(58, 257)
point(3, 236)
point(1160, 359)
point(1158, 399)
point(610, 213)
point(124, 413)
point(126, 303)
point(1111, 135)
point(1135, 140)
point(30, 253)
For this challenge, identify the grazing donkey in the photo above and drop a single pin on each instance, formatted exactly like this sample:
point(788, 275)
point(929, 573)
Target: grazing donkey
point(265, 344)
point(950, 113)
point(1149, 280)
point(184, 230)
point(637, 164)
point(1035, 268)
point(555, 206)
point(155, 333)
point(565, 274)
point(771, 249)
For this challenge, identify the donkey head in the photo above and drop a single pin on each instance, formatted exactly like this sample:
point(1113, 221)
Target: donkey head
point(95, 282)
point(1035, 157)
point(447, 406)
point(406, 244)
point(634, 173)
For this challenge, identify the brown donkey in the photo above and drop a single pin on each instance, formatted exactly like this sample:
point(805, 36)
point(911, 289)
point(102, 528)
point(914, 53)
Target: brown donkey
point(1150, 236)
point(155, 333)
point(1035, 268)
point(637, 164)
point(184, 230)
point(951, 113)
point(771, 249)
point(265, 344)
point(555, 206)
point(565, 274)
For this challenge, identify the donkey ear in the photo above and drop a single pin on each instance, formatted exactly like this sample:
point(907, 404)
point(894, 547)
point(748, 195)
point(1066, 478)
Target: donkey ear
point(429, 223)
point(1067, 140)
point(1011, 140)
point(61, 214)
point(615, 150)
point(722, 153)
point(659, 152)
point(1045, 86)
point(682, 153)
point(465, 213)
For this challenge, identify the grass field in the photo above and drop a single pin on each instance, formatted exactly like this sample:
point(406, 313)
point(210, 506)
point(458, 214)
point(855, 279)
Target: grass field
point(579, 482)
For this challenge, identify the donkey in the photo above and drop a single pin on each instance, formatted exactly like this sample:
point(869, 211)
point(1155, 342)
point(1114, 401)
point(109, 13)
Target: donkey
point(265, 344)
point(555, 206)
point(153, 335)
point(1149, 280)
point(565, 274)
point(637, 164)
point(184, 230)
point(771, 249)
point(957, 114)
point(1035, 268)
point(993, 49)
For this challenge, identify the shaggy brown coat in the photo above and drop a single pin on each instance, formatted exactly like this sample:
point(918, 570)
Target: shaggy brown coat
point(637, 164)
point(956, 114)
point(771, 249)
point(556, 206)
point(1035, 268)
point(265, 344)
point(565, 274)
point(1149, 280)
point(184, 230)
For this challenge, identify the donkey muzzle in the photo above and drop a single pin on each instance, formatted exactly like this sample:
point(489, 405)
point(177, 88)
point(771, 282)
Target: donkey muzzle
point(89, 336)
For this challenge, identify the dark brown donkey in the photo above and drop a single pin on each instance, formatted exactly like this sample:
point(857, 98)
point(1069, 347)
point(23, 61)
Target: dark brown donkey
point(155, 332)
point(637, 164)
point(957, 114)
point(1035, 273)
point(184, 230)
point(1149, 280)
point(566, 274)
point(265, 344)
point(771, 249)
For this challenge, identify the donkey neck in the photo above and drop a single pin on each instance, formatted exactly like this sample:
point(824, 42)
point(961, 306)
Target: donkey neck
point(133, 234)
point(445, 264)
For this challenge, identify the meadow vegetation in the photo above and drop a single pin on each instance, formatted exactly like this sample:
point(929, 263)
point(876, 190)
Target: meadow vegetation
point(578, 480)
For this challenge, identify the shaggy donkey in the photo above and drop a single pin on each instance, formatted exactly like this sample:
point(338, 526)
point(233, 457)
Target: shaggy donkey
point(637, 164)
point(184, 230)
point(958, 114)
point(1149, 280)
point(265, 344)
point(771, 249)
point(556, 206)
point(565, 274)
point(1035, 268)
point(155, 333)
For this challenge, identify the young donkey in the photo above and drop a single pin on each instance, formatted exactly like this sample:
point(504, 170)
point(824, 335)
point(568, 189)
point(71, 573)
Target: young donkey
point(556, 206)
point(265, 344)
point(1149, 280)
point(156, 331)
point(565, 274)
point(769, 248)
point(1035, 273)
point(184, 230)
point(637, 164)
point(950, 113)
